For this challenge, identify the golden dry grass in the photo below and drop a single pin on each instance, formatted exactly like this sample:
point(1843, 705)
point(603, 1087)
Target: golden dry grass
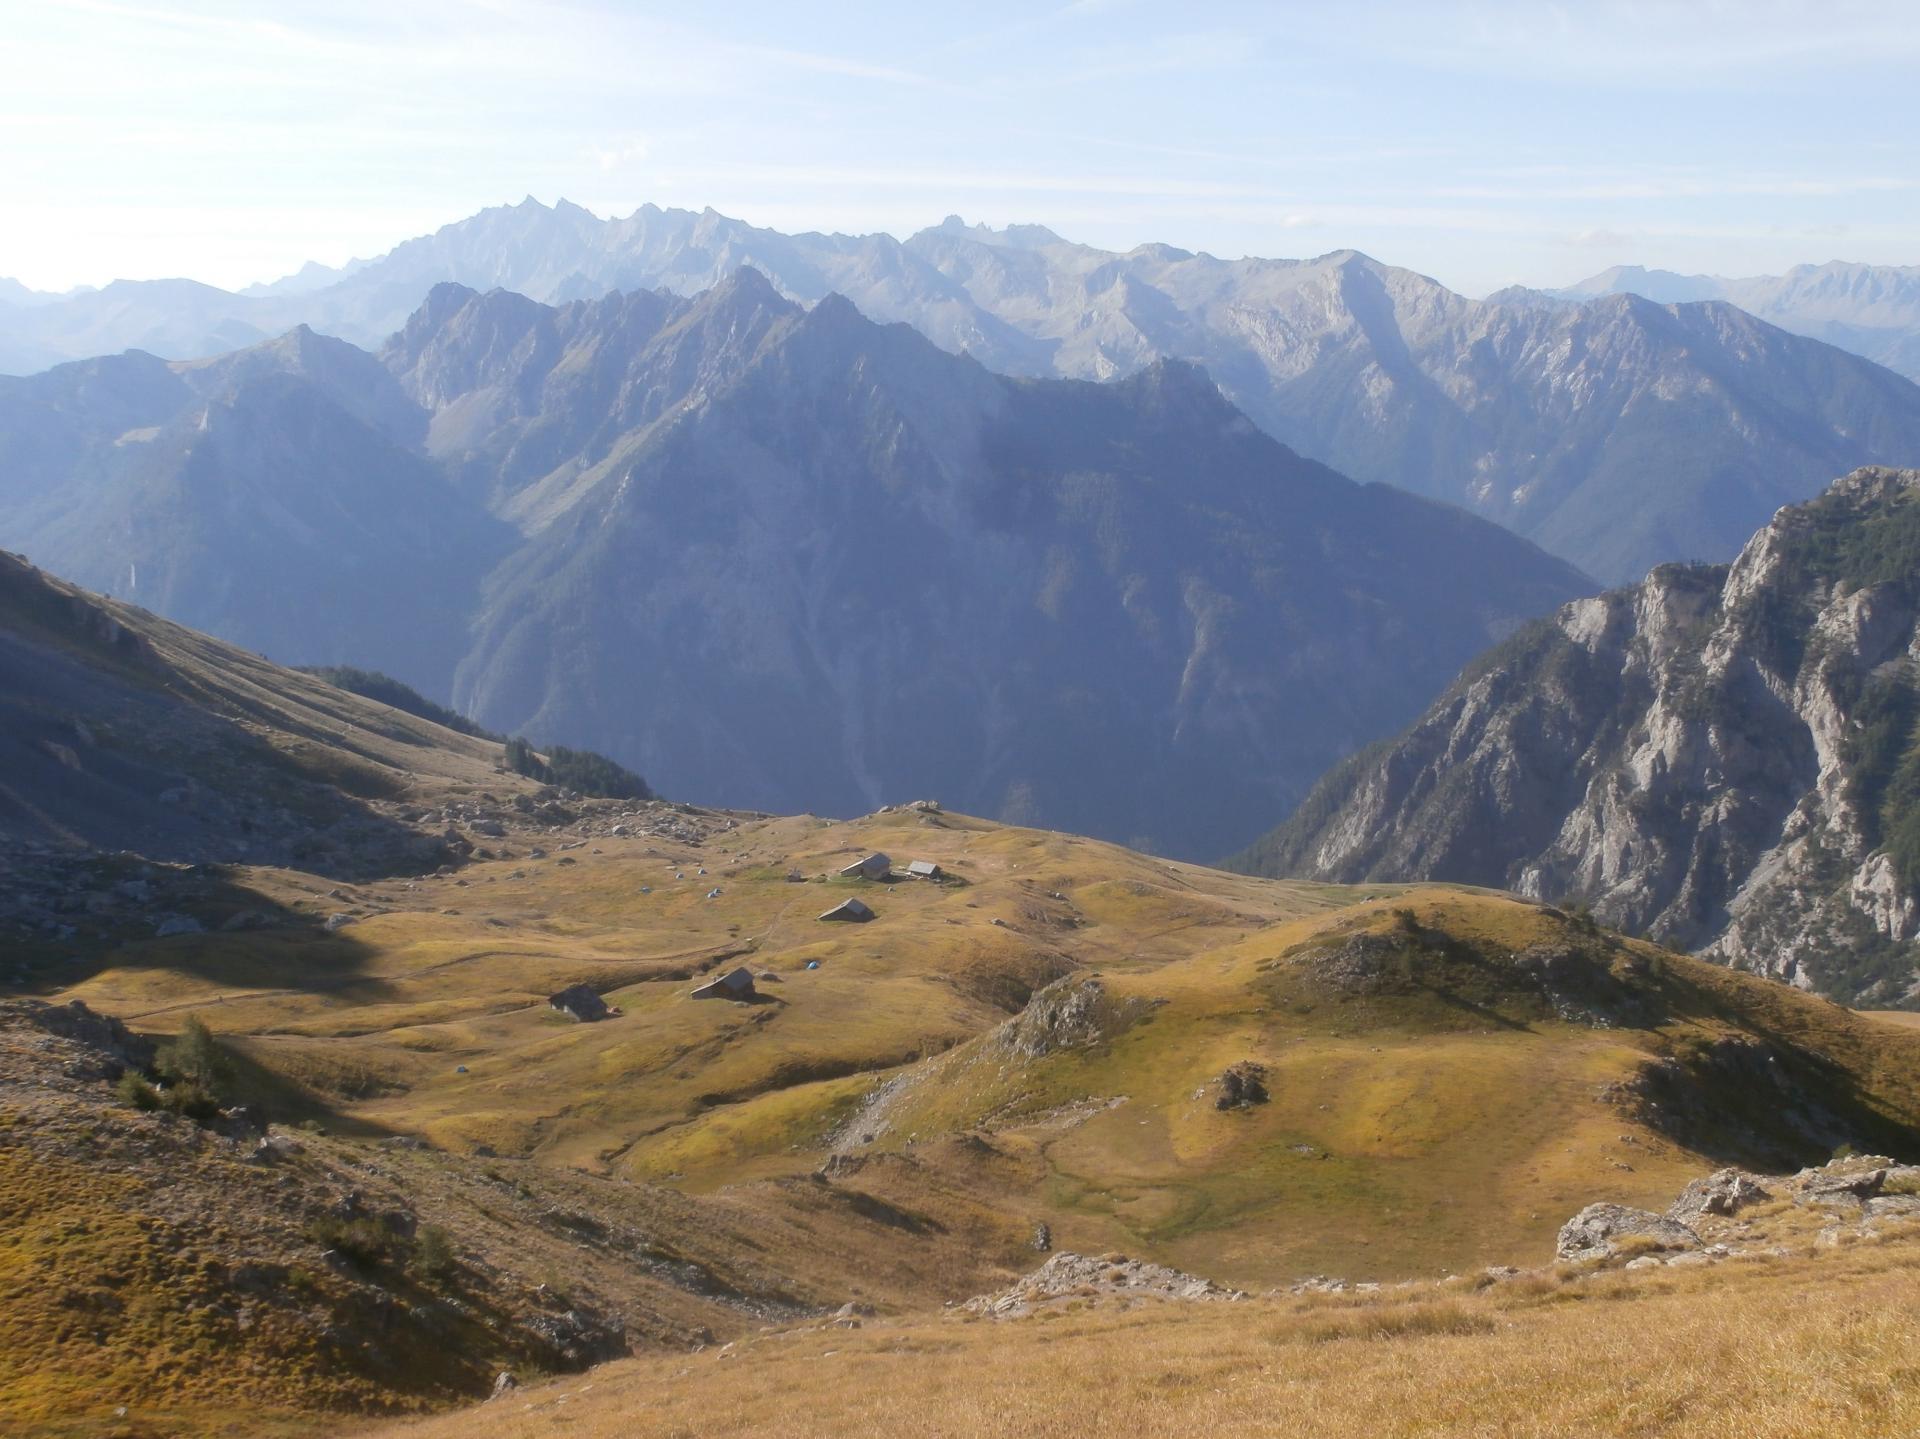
point(1753, 1349)
point(1406, 1134)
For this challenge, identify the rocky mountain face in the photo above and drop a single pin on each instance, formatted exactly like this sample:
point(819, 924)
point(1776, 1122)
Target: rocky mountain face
point(1871, 310)
point(1619, 433)
point(276, 497)
point(782, 558)
point(792, 559)
point(1725, 757)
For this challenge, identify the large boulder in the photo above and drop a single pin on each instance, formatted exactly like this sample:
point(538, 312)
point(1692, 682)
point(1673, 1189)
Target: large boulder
point(1847, 1183)
point(1606, 1231)
point(1724, 1192)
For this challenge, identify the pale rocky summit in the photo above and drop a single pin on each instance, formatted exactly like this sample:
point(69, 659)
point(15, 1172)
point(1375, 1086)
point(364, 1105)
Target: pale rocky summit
point(792, 559)
point(780, 557)
point(1872, 310)
point(1616, 431)
point(1721, 757)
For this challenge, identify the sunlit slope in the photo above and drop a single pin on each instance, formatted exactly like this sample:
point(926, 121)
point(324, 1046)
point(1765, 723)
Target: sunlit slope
point(1450, 1072)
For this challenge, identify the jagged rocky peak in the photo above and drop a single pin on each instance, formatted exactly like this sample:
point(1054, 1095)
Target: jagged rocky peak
point(1725, 757)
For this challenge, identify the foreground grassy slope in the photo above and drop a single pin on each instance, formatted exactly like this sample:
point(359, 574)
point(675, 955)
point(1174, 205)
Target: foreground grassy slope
point(1808, 1342)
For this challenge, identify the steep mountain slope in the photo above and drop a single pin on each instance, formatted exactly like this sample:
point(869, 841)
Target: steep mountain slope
point(795, 560)
point(1723, 757)
point(779, 557)
point(1618, 434)
point(1872, 310)
point(408, 1170)
point(274, 496)
point(1549, 417)
point(120, 731)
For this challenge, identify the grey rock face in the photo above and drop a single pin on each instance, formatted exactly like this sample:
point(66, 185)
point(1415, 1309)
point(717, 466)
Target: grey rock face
point(1113, 1275)
point(1536, 412)
point(1872, 310)
point(1603, 1231)
point(1069, 1013)
point(1712, 758)
point(830, 563)
point(780, 558)
point(1724, 1192)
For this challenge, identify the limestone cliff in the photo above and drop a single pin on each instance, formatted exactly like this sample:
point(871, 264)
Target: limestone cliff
point(1723, 757)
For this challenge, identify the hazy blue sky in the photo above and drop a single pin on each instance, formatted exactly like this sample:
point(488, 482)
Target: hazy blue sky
point(1482, 143)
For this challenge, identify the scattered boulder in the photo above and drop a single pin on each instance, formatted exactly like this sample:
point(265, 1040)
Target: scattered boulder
point(274, 1147)
point(581, 1002)
point(1078, 1276)
point(1724, 1192)
point(1242, 1086)
point(1846, 1182)
point(1606, 1231)
point(839, 1166)
point(503, 1384)
point(1042, 1240)
point(169, 925)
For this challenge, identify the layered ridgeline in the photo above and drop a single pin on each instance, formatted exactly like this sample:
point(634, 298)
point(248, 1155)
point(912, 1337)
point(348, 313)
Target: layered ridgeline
point(1618, 433)
point(1724, 757)
point(1872, 310)
point(780, 557)
point(796, 560)
point(276, 497)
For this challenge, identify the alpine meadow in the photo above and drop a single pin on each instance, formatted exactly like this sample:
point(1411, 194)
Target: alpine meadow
point(1008, 723)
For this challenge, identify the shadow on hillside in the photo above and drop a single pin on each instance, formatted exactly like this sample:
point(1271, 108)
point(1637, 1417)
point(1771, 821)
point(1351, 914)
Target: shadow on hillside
point(1771, 1093)
point(229, 936)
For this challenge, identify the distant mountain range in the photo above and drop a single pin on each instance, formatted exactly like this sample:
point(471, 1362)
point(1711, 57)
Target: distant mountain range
point(1872, 310)
point(780, 557)
point(276, 497)
point(1618, 432)
point(1726, 757)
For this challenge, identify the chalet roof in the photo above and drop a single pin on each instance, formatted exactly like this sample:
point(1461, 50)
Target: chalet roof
point(854, 910)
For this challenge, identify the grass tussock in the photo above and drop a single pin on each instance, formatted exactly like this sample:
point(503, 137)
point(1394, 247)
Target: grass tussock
point(1803, 1346)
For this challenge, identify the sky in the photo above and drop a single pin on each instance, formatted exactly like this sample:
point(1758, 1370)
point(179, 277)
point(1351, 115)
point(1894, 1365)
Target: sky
point(1482, 143)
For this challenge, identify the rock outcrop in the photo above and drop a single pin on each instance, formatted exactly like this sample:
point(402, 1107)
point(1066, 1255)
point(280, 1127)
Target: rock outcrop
point(1605, 1231)
point(1723, 758)
point(1069, 1276)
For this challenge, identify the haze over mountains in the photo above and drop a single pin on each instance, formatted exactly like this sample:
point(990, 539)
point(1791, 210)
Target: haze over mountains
point(1725, 757)
point(781, 557)
point(1618, 433)
point(1872, 310)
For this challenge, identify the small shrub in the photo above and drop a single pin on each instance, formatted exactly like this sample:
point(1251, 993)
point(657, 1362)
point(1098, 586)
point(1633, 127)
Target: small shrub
point(433, 1255)
point(194, 1057)
point(137, 1091)
point(365, 1241)
point(191, 1100)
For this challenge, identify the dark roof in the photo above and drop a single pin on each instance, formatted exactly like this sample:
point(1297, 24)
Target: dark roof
point(853, 909)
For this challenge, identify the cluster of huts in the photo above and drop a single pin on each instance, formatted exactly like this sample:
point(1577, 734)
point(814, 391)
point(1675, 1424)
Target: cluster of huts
point(583, 1003)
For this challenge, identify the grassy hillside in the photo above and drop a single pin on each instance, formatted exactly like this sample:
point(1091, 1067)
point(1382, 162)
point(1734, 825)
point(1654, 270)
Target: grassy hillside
point(1800, 1344)
point(1042, 1037)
